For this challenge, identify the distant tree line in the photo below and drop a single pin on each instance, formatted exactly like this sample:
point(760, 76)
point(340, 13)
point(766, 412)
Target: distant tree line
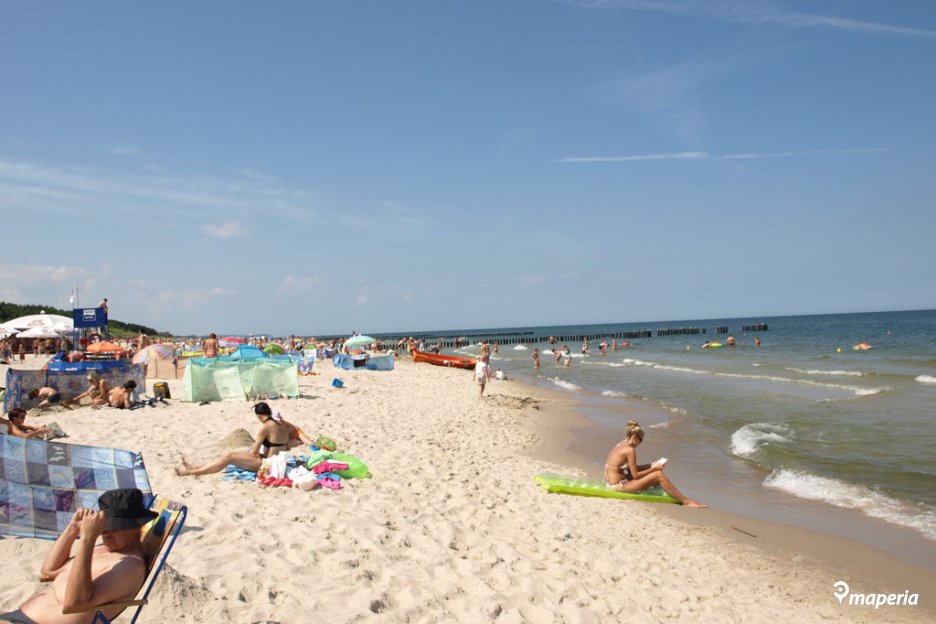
point(10, 311)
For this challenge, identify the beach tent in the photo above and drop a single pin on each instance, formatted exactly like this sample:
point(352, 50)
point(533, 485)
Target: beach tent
point(224, 378)
point(247, 353)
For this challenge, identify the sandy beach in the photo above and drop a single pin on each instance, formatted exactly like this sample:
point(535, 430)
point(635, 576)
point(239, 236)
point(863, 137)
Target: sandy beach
point(452, 527)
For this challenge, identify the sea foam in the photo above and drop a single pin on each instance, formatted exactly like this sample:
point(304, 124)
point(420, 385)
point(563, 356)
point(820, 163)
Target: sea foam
point(856, 390)
point(520, 347)
point(565, 385)
point(852, 496)
point(927, 379)
point(839, 373)
point(749, 438)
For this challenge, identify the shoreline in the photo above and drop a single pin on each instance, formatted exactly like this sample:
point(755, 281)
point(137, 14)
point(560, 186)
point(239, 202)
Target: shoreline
point(739, 488)
point(451, 527)
point(836, 555)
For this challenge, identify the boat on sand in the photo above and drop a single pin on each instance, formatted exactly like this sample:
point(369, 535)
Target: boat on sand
point(444, 360)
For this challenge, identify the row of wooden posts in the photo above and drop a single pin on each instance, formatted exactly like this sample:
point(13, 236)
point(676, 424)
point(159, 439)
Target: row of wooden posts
point(529, 337)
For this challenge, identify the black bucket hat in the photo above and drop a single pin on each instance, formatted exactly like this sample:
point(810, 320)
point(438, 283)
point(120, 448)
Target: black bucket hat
point(124, 509)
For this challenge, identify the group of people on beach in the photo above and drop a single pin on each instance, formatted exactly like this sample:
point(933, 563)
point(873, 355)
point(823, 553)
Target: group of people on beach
point(98, 395)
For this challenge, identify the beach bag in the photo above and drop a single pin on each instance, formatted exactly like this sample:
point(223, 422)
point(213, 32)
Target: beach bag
point(161, 390)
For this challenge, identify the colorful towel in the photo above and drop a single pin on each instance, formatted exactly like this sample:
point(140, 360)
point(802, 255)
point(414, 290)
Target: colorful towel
point(233, 473)
point(43, 483)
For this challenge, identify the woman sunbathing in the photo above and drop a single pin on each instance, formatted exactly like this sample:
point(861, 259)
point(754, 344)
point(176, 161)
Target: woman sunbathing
point(272, 438)
point(623, 474)
point(18, 428)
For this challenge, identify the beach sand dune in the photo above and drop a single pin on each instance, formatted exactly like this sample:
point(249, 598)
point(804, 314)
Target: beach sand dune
point(450, 529)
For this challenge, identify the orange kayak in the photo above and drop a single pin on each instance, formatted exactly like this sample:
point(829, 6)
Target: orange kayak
point(444, 360)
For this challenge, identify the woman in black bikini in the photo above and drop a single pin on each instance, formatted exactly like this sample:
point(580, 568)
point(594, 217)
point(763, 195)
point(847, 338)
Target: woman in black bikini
point(622, 472)
point(272, 438)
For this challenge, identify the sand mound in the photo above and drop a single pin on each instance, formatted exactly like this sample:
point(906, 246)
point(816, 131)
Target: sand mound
point(239, 438)
point(176, 590)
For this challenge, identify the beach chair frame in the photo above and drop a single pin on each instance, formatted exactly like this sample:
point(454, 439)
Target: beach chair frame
point(155, 566)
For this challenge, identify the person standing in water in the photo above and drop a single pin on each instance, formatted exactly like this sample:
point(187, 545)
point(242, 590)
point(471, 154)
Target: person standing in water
point(624, 474)
point(536, 359)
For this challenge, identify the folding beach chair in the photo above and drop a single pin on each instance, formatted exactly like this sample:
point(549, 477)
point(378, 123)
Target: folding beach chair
point(158, 535)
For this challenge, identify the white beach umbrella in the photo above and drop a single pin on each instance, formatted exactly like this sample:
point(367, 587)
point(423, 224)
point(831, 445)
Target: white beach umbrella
point(6, 332)
point(39, 332)
point(54, 322)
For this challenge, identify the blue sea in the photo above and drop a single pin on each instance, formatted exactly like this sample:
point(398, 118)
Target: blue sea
point(782, 431)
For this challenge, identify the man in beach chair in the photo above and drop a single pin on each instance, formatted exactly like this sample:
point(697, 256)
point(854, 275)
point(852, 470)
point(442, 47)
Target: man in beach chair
point(99, 582)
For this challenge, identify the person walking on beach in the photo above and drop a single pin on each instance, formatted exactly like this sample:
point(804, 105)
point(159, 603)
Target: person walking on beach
point(210, 346)
point(481, 374)
point(536, 358)
point(624, 474)
point(486, 357)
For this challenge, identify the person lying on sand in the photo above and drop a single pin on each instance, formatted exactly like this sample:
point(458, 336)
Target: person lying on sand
point(18, 428)
point(110, 572)
point(272, 438)
point(47, 397)
point(623, 474)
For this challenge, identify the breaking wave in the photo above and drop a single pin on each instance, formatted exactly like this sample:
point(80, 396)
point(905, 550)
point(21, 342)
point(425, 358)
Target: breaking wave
point(839, 373)
point(852, 496)
point(565, 385)
point(749, 438)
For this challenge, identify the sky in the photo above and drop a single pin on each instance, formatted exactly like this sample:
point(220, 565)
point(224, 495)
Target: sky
point(326, 167)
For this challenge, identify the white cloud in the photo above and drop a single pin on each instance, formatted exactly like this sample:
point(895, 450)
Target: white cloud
point(754, 12)
point(361, 299)
point(229, 229)
point(674, 95)
point(186, 199)
point(47, 284)
point(43, 273)
point(299, 284)
point(707, 156)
